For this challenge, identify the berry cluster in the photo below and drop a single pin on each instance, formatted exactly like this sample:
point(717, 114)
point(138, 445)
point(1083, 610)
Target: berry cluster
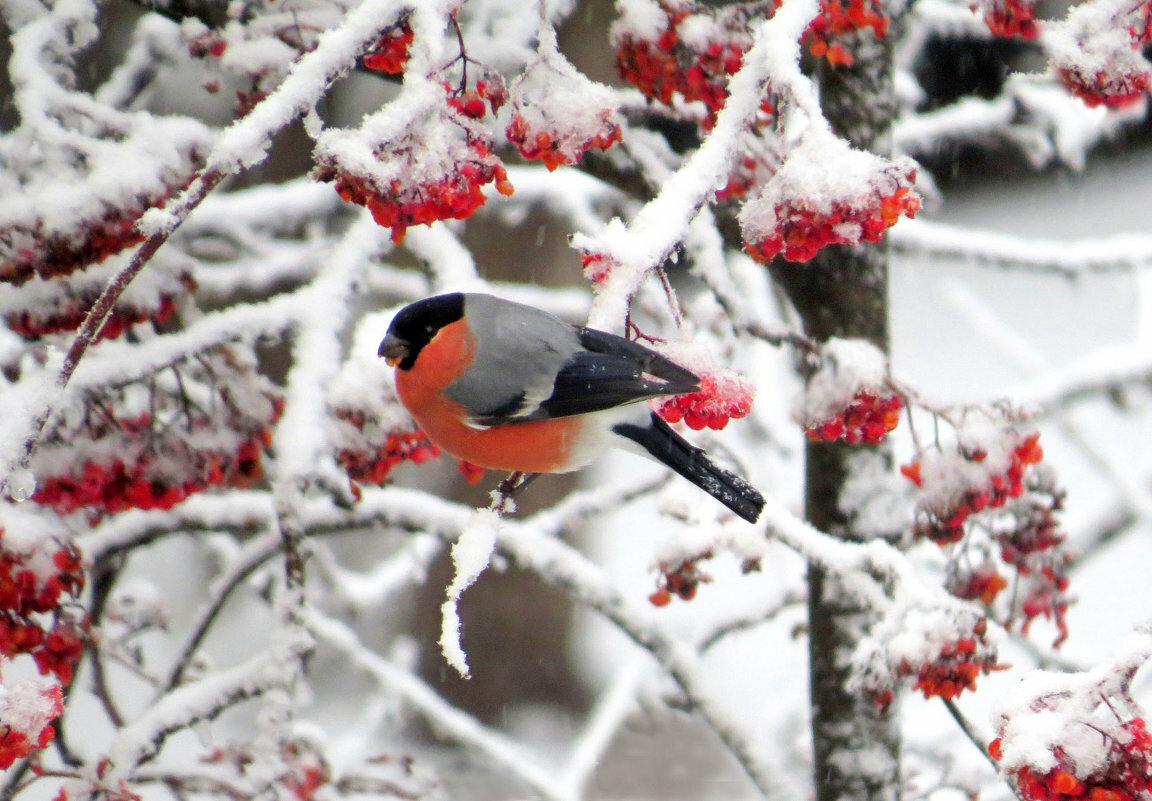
point(992, 473)
point(1125, 776)
point(943, 523)
point(433, 170)
point(472, 474)
point(301, 772)
point(556, 147)
point(1104, 88)
point(453, 196)
point(981, 583)
point(43, 308)
point(116, 486)
point(149, 445)
point(372, 458)
point(474, 103)
point(597, 266)
point(49, 255)
point(1010, 17)
point(940, 649)
point(38, 575)
point(29, 325)
point(696, 66)
point(27, 710)
point(723, 395)
point(1098, 54)
point(957, 666)
point(1031, 544)
point(680, 578)
point(867, 419)
point(837, 19)
point(390, 53)
point(800, 230)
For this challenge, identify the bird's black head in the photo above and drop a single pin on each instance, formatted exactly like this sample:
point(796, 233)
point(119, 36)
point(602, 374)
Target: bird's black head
point(414, 326)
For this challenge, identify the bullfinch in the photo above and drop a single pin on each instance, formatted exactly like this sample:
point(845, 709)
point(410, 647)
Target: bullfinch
point(510, 387)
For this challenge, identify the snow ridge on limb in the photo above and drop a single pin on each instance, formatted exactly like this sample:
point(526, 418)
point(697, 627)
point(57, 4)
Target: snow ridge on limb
point(635, 248)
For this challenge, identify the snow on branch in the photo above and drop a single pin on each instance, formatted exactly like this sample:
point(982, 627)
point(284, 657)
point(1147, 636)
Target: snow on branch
point(1077, 734)
point(937, 242)
point(642, 245)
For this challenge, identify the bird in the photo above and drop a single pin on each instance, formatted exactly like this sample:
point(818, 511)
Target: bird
point(510, 387)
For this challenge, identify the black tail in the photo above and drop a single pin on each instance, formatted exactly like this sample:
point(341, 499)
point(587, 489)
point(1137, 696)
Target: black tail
point(693, 464)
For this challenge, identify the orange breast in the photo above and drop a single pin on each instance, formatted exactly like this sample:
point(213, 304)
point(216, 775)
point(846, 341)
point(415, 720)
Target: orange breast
point(544, 446)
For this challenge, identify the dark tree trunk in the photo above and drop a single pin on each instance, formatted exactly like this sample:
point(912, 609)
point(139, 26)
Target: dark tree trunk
point(844, 293)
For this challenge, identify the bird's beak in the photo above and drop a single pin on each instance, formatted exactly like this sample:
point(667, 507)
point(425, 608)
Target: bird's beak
point(393, 349)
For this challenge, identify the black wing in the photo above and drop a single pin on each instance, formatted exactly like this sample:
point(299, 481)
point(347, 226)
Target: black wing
point(612, 371)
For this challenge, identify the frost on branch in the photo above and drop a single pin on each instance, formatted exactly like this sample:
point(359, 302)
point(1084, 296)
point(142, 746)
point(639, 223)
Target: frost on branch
point(848, 397)
point(989, 491)
point(827, 193)
point(1080, 735)
point(415, 174)
point(27, 709)
point(558, 113)
point(1096, 51)
point(150, 444)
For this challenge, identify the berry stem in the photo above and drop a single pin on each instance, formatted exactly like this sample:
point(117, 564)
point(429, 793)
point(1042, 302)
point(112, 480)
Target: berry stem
point(969, 730)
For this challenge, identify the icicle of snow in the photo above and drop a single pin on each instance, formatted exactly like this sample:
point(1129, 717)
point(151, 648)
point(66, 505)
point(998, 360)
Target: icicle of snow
point(470, 556)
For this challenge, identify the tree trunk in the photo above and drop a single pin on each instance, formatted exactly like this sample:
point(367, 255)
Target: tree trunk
point(843, 293)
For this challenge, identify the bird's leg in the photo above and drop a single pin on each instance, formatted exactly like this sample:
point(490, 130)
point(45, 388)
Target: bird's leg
point(507, 490)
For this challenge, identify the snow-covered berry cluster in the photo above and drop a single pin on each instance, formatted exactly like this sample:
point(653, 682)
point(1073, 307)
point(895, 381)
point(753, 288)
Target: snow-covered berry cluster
point(372, 459)
point(1096, 51)
point(474, 103)
point(301, 773)
point(940, 651)
point(28, 251)
point(1127, 776)
point(955, 486)
point(431, 170)
point(27, 709)
point(835, 20)
point(371, 431)
point(1076, 737)
point(759, 157)
point(982, 582)
point(826, 193)
point(868, 418)
point(43, 307)
point(723, 395)
point(558, 114)
point(848, 396)
point(679, 578)
point(993, 494)
point(669, 47)
point(1010, 17)
point(390, 52)
point(200, 422)
point(597, 266)
point(40, 577)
